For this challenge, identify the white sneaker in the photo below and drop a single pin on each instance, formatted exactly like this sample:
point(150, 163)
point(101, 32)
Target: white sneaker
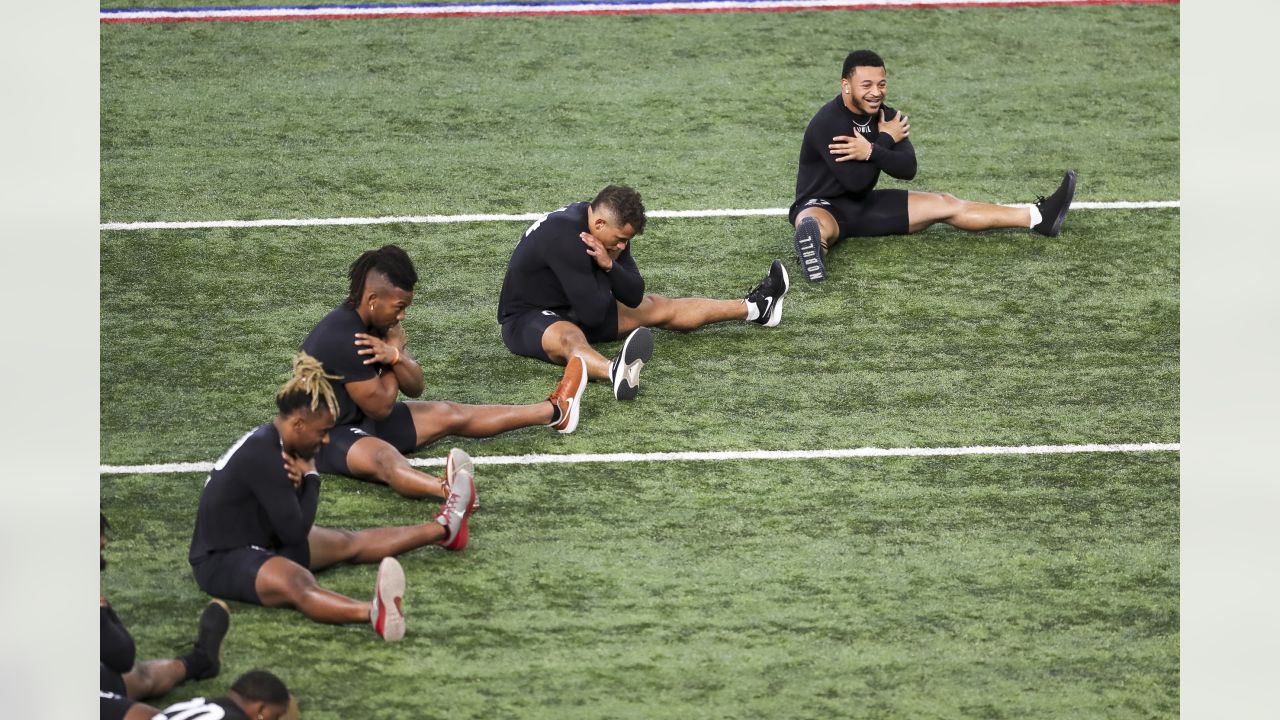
point(387, 615)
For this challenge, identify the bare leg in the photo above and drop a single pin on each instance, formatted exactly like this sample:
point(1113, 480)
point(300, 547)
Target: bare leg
point(372, 458)
point(925, 209)
point(330, 547)
point(436, 418)
point(282, 582)
point(826, 224)
point(679, 314)
point(562, 340)
point(154, 677)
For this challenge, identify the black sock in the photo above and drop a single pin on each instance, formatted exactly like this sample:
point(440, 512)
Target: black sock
point(555, 413)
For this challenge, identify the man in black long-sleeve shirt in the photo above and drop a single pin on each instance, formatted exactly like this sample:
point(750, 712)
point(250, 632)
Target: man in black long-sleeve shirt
point(255, 539)
point(572, 282)
point(846, 146)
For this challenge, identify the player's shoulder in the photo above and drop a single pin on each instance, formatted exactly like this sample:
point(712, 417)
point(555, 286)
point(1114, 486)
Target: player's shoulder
point(889, 113)
point(259, 444)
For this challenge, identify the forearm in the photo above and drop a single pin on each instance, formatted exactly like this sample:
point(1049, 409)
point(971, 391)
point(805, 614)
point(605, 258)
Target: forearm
point(378, 404)
point(898, 160)
point(409, 376)
point(627, 285)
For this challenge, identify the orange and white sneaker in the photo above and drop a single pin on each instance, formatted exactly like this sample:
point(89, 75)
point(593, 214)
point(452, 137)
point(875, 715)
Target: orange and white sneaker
point(387, 613)
point(456, 461)
point(453, 513)
point(567, 397)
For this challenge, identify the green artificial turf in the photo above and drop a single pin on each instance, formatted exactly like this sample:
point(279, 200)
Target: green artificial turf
point(946, 587)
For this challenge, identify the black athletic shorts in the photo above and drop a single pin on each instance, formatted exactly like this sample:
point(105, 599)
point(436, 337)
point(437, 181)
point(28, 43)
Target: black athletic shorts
point(882, 212)
point(232, 574)
point(114, 706)
point(522, 334)
point(398, 430)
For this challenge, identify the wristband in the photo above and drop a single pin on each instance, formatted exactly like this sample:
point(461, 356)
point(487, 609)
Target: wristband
point(397, 360)
point(312, 474)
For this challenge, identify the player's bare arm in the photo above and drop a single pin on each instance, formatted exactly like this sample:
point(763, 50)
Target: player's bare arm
point(392, 351)
point(375, 396)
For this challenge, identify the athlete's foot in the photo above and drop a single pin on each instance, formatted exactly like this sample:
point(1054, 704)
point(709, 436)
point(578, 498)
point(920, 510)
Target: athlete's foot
point(624, 371)
point(205, 659)
point(809, 250)
point(387, 612)
point(456, 461)
point(764, 303)
point(1053, 209)
point(566, 399)
point(454, 512)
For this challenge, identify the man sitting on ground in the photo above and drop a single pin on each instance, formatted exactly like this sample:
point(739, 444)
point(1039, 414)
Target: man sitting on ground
point(255, 538)
point(362, 345)
point(572, 282)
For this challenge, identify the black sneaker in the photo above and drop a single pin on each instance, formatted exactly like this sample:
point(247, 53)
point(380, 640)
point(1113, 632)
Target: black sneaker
point(809, 250)
point(205, 660)
point(1053, 209)
point(767, 296)
point(624, 371)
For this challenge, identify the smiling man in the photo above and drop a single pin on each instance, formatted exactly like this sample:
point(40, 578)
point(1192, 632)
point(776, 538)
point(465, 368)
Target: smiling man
point(572, 282)
point(849, 142)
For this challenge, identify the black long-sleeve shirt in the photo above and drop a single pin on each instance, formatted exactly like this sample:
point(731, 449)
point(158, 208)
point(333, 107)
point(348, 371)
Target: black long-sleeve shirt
point(248, 499)
point(550, 270)
point(820, 176)
point(115, 645)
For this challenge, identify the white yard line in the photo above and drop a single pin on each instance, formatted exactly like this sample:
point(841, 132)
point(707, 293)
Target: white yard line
point(528, 217)
point(721, 455)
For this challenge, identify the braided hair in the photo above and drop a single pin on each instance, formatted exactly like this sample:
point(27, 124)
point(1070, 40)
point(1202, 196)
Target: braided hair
point(390, 260)
point(308, 386)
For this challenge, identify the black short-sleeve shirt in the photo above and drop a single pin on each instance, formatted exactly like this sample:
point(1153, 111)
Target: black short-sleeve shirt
point(333, 343)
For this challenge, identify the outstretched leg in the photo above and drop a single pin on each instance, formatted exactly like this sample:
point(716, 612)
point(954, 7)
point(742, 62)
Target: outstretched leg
point(433, 419)
point(330, 547)
point(282, 582)
point(925, 209)
point(372, 458)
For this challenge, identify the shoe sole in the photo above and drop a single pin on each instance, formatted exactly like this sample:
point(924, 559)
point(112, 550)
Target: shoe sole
point(217, 659)
point(775, 312)
point(809, 251)
point(459, 541)
point(458, 459)
point(636, 351)
point(390, 594)
point(570, 423)
point(1070, 180)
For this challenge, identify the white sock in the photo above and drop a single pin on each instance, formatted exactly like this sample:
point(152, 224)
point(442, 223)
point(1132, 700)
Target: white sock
point(753, 312)
point(1035, 216)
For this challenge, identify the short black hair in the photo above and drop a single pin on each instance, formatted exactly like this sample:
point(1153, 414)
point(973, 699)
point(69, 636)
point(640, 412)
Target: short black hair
point(864, 58)
point(261, 686)
point(625, 204)
point(390, 260)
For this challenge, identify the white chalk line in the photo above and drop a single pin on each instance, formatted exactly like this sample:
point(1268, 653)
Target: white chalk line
point(715, 455)
point(531, 216)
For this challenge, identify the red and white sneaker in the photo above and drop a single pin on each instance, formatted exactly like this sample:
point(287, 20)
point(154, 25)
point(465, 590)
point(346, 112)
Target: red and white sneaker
point(387, 614)
point(459, 460)
point(453, 514)
point(567, 397)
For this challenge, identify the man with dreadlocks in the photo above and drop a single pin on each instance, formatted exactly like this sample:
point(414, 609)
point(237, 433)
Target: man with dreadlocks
point(362, 346)
point(255, 539)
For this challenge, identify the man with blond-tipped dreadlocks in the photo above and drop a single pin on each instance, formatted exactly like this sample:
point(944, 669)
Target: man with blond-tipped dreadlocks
point(361, 343)
point(255, 540)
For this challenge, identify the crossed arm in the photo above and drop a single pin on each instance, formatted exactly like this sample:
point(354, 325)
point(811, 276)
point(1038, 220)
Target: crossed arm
point(377, 395)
